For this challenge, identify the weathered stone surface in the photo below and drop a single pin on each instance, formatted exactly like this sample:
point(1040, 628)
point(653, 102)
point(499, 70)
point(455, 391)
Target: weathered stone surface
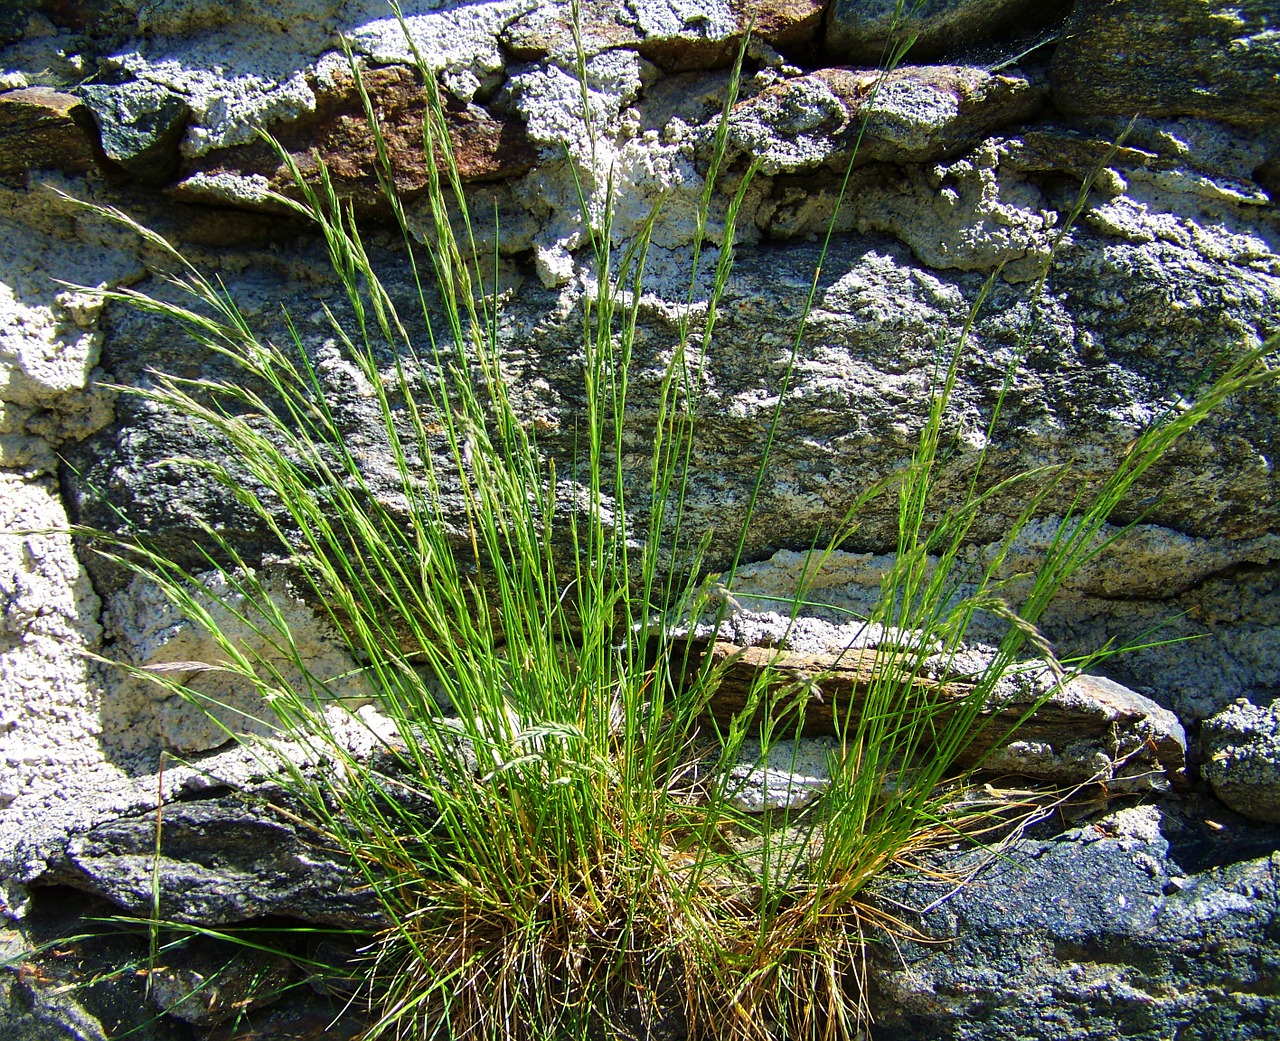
point(50, 334)
point(860, 375)
point(546, 31)
point(49, 615)
point(338, 135)
point(41, 129)
point(914, 114)
point(148, 632)
point(1143, 924)
point(13, 24)
point(223, 860)
point(30, 1012)
point(1242, 758)
point(1217, 597)
point(679, 36)
point(141, 126)
point(1111, 350)
point(676, 37)
point(862, 31)
point(1175, 258)
point(1143, 920)
point(1170, 58)
point(1091, 730)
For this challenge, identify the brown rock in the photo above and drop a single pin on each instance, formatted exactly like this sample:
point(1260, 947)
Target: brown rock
point(41, 129)
point(338, 135)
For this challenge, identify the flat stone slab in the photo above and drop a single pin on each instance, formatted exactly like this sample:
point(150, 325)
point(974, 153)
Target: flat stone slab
point(1089, 730)
point(222, 860)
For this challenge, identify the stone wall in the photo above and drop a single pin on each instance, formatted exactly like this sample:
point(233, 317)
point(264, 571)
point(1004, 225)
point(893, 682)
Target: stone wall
point(973, 153)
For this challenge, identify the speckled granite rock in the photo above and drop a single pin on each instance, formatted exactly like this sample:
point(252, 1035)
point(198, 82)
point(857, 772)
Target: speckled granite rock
point(1142, 924)
point(914, 115)
point(1242, 758)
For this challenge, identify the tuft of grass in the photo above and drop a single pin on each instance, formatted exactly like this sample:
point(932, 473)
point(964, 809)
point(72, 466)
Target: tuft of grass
point(552, 854)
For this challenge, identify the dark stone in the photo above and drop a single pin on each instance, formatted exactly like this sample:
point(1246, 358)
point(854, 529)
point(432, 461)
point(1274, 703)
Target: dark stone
point(102, 18)
point(1157, 58)
point(42, 129)
point(206, 980)
point(13, 24)
point(863, 32)
point(141, 126)
point(222, 860)
point(1093, 934)
point(1268, 176)
point(73, 971)
point(1142, 924)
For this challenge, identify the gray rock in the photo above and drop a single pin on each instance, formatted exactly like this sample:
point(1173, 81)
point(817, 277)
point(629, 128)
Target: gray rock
point(1089, 730)
point(1217, 598)
point(1108, 355)
point(915, 114)
point(208, 981)
point(1241, 747)
point(141, 126)
point(29, 1012)
point(1111, 930)
point(1175, 259)
point(223, 860)
point(1152, 284)
point(1217, 60)
point(1140, 923)
point(149, 632)
point(862, 31)
point(676, 36)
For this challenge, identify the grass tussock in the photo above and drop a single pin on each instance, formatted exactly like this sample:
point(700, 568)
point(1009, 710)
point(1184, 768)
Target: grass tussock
point(548, 821)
